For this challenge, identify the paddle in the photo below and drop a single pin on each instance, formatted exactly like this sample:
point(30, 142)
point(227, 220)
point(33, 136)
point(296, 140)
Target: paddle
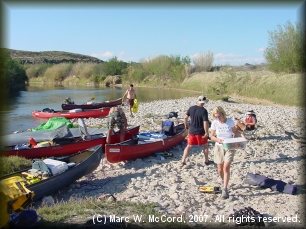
point(93, 98)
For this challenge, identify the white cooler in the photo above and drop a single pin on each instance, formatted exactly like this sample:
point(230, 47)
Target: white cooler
point(234, 143)
point(56, 167)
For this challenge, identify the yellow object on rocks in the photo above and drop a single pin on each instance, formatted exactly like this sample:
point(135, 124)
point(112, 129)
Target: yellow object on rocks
point(135, 106)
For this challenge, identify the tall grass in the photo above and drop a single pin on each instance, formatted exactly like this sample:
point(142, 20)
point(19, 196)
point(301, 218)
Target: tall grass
point(170, 72)
point(58, 72)
point(13, 163)
point(83, 70)
point(287, 89)
point(36, 70)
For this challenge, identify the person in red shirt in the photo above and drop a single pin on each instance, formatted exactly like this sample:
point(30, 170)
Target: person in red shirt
point(248, 124)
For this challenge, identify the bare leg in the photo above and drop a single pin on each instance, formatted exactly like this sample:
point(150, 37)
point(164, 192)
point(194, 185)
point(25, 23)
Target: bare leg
point(240, 126)
point(226, 170)
point(205, 150)
point(186, 153)
point(122, 134)
point(220, 170)
point(108, 137)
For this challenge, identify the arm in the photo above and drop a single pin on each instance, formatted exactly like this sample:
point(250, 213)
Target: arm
point(206, 126)
point(185, 122)
point(213, 137)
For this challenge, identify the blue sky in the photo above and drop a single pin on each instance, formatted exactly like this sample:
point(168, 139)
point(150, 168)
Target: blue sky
point(235, 33)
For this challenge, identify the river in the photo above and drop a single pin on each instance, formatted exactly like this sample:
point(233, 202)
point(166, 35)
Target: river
point(17, 115)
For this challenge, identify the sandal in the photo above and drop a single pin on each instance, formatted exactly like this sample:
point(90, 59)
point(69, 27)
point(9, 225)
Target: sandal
point(182, 164)
point(208, 162)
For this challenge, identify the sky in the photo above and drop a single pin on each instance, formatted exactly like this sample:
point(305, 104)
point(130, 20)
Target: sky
point(236, 33)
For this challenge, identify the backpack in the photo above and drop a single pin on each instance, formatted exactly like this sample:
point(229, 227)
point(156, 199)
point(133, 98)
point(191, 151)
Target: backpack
point(172, 114)
point(40, 165)
point(48, 110)
point(168, 128)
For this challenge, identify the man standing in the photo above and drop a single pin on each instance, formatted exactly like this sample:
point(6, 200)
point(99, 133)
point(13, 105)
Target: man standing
point(130, 96)
point(117, 117)
point(198, 129)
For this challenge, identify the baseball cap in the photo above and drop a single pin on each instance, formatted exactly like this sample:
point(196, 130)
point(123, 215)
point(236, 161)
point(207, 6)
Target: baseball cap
point(202, 99)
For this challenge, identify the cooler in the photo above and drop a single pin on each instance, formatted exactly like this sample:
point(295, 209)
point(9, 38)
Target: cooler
point(56, 167)
point(234, 143)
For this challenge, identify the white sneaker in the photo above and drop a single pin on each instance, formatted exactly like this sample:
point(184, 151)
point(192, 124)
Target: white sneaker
point(224, 194)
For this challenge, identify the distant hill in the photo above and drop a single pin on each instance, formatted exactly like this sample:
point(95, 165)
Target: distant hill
point(52, 57)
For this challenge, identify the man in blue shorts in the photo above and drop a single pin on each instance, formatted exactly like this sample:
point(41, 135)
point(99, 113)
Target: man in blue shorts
point(198, 129)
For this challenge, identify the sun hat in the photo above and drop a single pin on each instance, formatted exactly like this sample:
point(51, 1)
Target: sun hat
point(202, 99)
point(250, 112)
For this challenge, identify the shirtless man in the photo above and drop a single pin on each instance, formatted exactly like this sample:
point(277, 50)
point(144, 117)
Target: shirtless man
point(117, 117)
point(130, 96)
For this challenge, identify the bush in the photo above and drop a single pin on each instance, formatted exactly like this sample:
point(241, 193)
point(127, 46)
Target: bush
point(114, 66)
point(14, 73)
point(36, 70)
point(13, 164)
point(286, 49)
point(58, 72)
point(203, 62)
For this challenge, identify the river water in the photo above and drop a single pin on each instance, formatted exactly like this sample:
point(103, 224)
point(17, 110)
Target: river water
point(17, 116)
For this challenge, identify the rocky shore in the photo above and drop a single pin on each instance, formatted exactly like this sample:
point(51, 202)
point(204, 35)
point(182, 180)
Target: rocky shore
point(273, 150)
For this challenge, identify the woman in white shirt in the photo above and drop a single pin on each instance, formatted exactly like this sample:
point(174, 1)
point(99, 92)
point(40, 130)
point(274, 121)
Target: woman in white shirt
point(222, 128)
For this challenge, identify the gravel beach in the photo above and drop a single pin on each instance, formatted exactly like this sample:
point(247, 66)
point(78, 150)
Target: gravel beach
point(271, 151)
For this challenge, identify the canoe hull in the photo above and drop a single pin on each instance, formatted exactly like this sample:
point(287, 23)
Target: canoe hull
point(129, 150)
point(91, 113)
point(89, 161)
point(69, 148)
point(92, 106)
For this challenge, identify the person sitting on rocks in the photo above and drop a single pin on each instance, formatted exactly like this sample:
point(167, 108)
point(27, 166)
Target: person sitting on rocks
point(248, 124)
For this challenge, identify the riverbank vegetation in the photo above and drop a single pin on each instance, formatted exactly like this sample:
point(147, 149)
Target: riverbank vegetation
point(280, 80)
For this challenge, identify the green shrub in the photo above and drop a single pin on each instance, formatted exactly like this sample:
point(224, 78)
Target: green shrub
point(58, 72)
point(114, 66)
point(286, 49)
point(36, 70)
point(13, 164)
point(14, 74)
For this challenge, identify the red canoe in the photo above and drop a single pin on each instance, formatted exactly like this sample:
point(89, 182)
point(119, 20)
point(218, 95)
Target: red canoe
point(77, 113)
point(91, 105)
point(132, 149)
point(69, 148)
